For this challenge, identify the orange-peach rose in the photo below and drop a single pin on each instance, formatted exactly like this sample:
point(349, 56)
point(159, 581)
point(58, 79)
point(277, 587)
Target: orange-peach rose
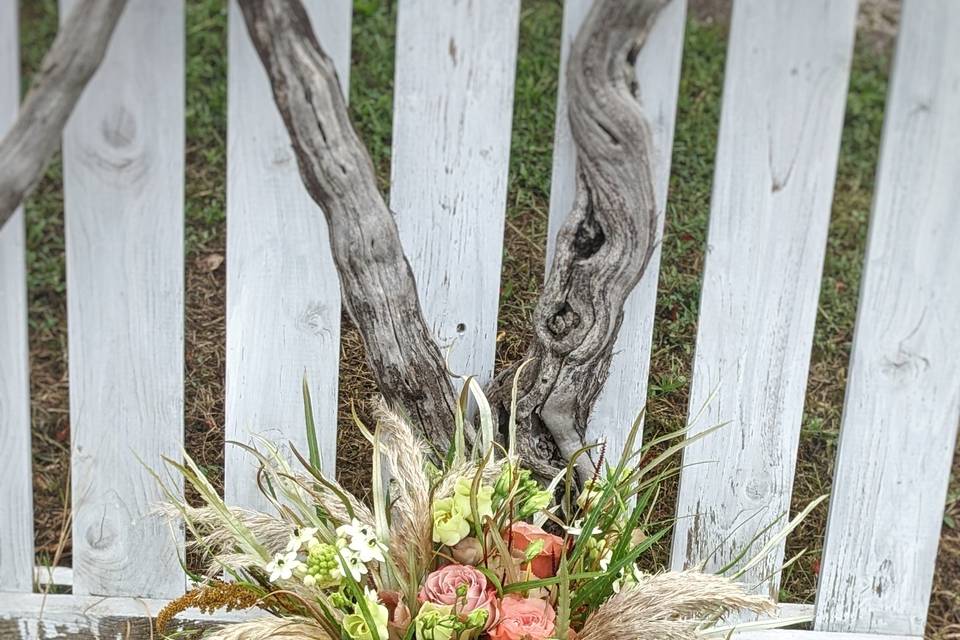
point(524, 619)
point(545, 564)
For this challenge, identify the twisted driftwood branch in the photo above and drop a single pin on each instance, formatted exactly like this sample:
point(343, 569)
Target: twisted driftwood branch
point(602, 249)
point(75, 55)
point(378, 287)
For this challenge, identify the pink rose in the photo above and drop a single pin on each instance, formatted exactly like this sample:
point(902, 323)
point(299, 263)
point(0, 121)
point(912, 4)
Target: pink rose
point(524, 619)
point(441, 588)
point(545, 564)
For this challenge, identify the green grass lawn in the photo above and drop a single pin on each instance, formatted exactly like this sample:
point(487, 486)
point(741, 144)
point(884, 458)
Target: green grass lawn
point(530, 165)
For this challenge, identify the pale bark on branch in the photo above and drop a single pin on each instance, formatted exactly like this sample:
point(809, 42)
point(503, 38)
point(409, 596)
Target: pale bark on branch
point(603, 248)
point(376, 281)
point(76, 54)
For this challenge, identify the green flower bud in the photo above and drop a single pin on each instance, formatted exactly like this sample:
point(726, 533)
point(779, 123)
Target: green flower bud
point(504, 482)
point(436, 622)
point(527, 484)
point(322, 565)
point(433, 473)
point(533, 550)
point(538, 501)
point(590, 495)
point(341, 601)
point(477, 619)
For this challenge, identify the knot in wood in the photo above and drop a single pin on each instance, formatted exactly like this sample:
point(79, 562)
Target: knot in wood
point(563, 320)
point(119, 128)
point(589, 236)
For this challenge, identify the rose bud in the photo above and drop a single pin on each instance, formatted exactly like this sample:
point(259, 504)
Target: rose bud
point(468, 551)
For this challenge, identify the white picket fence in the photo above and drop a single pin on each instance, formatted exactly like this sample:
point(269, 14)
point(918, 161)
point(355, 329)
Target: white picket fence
point(784, 94)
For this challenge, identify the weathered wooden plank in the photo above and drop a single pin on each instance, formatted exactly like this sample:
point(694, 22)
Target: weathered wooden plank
point(786, 79)
point(786, 614)
point(903, 394)
point(16, 493)
point(453, 103)
point(123, 189)
point(658, 76)
point(799, 634)
point(68, 617)
point(33, 617)
point(283, 295)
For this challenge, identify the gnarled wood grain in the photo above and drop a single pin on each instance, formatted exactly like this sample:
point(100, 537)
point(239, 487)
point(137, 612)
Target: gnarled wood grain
point(658, 75)
point(602, 248)
point(75, 55)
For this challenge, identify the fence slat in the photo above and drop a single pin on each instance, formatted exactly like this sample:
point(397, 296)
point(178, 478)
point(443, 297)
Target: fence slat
point(16, 493)
point(39, 616)
point(283, 295)
point(453, 104)
point(658, 76)
point(903, 395)
point(786, 79)
point(123, 190)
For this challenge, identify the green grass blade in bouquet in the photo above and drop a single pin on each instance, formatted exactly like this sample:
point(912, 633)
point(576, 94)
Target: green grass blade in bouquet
point(313, 448)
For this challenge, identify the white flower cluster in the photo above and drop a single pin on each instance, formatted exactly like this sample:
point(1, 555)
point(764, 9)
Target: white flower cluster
point(306, 537)
point(360, 539)
point(355, 546)
point(284, 565)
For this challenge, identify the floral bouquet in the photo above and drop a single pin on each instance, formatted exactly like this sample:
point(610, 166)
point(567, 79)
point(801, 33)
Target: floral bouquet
point(472, 547)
